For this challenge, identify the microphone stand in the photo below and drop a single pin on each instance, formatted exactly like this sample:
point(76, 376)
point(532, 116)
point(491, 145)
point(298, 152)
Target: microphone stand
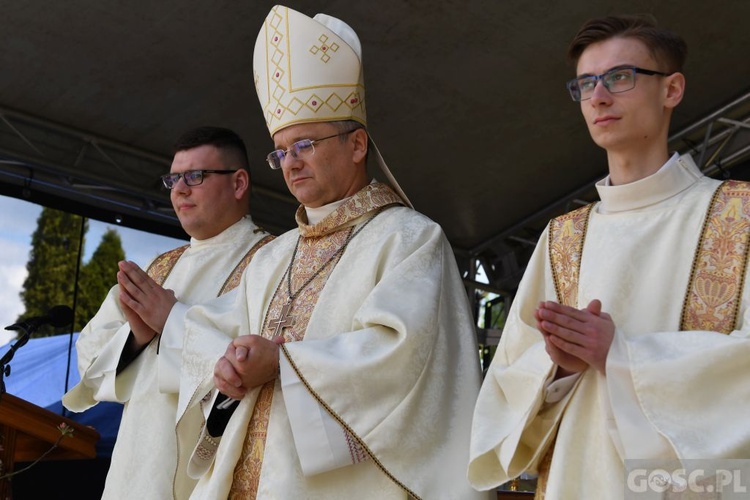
point(4, 367)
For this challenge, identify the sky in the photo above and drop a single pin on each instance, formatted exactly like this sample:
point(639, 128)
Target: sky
point(17, 224)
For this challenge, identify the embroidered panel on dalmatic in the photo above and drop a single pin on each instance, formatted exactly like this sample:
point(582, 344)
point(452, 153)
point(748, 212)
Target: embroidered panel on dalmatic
point(714, 294)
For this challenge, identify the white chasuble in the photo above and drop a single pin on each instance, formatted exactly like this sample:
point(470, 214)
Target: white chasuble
point(667, 394)
point(145, 458)
point(388, 353)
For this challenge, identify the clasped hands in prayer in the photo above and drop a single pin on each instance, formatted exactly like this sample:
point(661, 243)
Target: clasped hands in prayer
point(249, 361)
point(144, 303)
point(575, 338)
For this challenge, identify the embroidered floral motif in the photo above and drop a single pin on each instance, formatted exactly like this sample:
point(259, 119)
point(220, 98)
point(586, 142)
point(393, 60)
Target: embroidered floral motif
point(246, 478)
point(371, 197)
point(716, 282)
point(566, 237)
point(162, 265)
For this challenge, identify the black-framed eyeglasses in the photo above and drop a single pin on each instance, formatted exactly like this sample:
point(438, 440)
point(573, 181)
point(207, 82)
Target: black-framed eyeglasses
point(300, 149)
point(191, 177)
point(615, 80)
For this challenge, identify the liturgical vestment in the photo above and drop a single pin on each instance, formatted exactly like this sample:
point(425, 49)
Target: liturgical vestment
point(144, 460)
point(667, 394)
point(380, 356)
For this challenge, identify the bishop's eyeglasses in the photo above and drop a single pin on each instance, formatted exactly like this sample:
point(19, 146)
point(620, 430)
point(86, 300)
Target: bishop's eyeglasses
point(191, 177)
point(300, 149)
point(616, 80)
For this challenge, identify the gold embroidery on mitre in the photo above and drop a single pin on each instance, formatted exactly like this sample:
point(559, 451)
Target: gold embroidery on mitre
point(713, 297)
point(324, 48)
point(567, 234)
point(304, 72)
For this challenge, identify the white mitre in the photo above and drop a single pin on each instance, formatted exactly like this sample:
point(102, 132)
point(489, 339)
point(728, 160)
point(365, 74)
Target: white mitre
point(309, 70)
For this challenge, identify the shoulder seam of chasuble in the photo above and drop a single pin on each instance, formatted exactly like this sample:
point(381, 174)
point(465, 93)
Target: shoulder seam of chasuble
point(717, 276)
point(567, 234)
point(234, 277)
point(346, 426)
point(162, 265)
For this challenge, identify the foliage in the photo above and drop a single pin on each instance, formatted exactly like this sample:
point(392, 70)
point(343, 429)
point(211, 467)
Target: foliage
point(51, 277)
point(98, 276)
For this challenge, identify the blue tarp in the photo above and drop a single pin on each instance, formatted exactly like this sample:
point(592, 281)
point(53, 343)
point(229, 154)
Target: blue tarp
point(38, 373)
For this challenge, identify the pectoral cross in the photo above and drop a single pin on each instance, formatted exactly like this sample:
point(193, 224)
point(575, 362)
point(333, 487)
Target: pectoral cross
point(283, 321)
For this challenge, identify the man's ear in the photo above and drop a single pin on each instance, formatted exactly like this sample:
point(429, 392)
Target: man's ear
point(359, 154)
point(674, 90)
point(241, 183)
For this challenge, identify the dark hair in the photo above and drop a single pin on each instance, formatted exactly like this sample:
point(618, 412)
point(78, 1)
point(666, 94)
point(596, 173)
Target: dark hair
point(666, 47)
point(223, 139)
point(344, 126)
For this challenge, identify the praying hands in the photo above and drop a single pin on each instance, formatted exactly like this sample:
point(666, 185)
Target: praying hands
point(142, 296)
point(575, 338)
point(249, 361)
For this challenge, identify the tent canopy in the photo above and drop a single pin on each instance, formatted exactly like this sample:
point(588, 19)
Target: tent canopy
point(466, 100)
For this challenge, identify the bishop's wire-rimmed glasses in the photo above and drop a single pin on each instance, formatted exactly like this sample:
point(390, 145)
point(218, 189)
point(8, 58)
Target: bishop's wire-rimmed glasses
point(300, 149)
point(616, 80)
point(191, 177)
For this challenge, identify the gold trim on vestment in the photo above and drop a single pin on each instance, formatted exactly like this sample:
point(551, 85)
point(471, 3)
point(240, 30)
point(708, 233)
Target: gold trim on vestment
point(313, 252)
point(567, 234)
point(346, 427)
point(162, 265)
point(714, 293)
point(233, 280)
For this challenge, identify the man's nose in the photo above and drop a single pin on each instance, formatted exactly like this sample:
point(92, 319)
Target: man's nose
point(601, 93)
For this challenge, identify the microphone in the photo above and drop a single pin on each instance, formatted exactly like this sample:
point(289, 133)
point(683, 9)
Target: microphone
point(56, 316)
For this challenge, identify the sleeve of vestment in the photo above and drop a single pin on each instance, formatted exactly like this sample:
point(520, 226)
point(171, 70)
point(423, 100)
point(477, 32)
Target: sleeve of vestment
point(99, 347)
point(512, 426)
point(686, 386)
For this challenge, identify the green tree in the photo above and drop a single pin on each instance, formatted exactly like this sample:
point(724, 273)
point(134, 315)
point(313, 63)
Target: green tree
point(55, 251)
point(98, 275)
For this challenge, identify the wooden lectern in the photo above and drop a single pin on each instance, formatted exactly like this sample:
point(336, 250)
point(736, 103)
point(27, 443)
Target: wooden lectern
point(28, 431)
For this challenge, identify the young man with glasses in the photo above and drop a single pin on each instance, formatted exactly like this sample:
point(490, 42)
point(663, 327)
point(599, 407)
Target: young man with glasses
point(123, 359)
point(355, 359)
point(628, 336)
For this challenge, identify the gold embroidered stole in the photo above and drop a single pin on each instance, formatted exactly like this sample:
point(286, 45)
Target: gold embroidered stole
point(713, 297)
point(712, 301)
point(567, 234)
point(317, 245)
point(162, 265)
point(234, 278)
